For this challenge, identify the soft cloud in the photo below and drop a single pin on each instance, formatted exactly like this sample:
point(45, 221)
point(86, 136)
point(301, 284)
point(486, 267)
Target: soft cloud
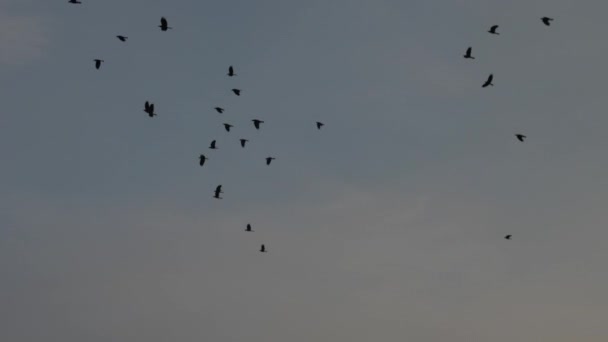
point(23, 38)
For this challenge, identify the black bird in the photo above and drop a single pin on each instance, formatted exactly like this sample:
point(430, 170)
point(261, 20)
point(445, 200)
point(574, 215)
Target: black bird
point(319, 125)
point(231, 71)
point(546, 20)
point(74, 2)
point(212, 146)
point(122, 38)
point(243, 141)
point(263, 248)
point(493, 29)
point(488, 81)
point(520, 137)
point(227, 127)
point(163, 24)
point(98, 63)
point(508, 237)
point(248, 229)
point(202, 160)
point(257, 123)
point(217, 192)
point(269, 159)
point(219, 109)
point(237, 92)
point(149, 108)
point(468, 54)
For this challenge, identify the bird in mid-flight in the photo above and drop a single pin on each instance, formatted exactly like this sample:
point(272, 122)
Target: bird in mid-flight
point(263, 248)
point(217, 192)
point(164, 26)
point(219, 110)
point(231, 71)
point(202, 159)
point(227, 127)
point(98, 63)
point(149, 108)
point(74, 2)
point(243, 142)
point(257, 123)
point(546, 20)
point(320, 124)
point(488, 81)
point(520, 137)
point(212, 146)
point(237, 92)
point(269, 159)
point(468, 54)
point(508, 237)
point(122, 38)
point(248, 229)
point(493, 29)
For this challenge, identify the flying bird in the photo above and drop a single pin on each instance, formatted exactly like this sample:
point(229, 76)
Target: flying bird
point(98, 63)
point(227, 127)
point(219, 109)
point(508, 237)
point(269, 159)
point(520, 137)
point(493, 29)
point(237, 92)
point(231, 71)
point(243, 141)
point(248, 229)
point(263, 248)
point(320, 124)
point(257, 123)
point(164, 25)
point(212, 146)
point(217, 192)
point(202, 160)
point(122, 38)
point(468, 54)
point(149, 108)
point(74, 2)
point(546, 20)
point(488, 81)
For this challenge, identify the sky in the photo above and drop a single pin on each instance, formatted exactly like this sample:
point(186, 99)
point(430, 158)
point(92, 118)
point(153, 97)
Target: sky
point(385, 225)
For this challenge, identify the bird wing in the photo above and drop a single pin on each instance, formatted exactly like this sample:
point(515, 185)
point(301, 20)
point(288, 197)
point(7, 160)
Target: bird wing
point(493, 28)
point(152, 107)
point(231, 70)
point(163, 21)
point(147, 105)
point(469, 51)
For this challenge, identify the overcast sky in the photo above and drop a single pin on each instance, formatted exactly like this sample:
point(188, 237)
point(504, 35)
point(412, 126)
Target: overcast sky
point(386, 225)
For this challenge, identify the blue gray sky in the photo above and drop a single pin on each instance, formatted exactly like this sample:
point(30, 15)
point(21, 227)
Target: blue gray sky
point(386, 225)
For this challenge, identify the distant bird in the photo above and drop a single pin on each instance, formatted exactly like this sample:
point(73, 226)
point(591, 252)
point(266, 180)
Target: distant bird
point(493, 29)
point(122, 38)
point(257, 123)
point(468, 54)
point(263, 248)
point(248, 229)
point(98, 63)
point(269, 159)
point(163, 24)
point(202, 160)
point(320, 124)
point(546, 20)
point(219, 109)
point(227, 127)
point(508, 237)
point(237, 92)
point(212, 146)
point(488, 81)
point(74, 2)
point(520, 137)
point(243, 141)
point(217, 192)
point(231, 71)
point(149, 108)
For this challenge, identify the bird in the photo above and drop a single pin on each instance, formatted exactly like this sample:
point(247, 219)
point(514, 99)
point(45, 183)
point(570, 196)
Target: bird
point(468, 54)
point(149, 108)
point(217, 192)
point(248, 229)
point(493, 29)
point(122, 38)
point(202, 159)
point(520, 137)
point(488, 81)
point(508, 237)
point(269, 159)
point(164, 25)
point(546, 20)
point(219, 110)
point(243, 141)
point(75, 2)
point(212, 146)
point(320, 124)
point(227, 127)
point(257, 123)
point(263, 248)
point(231, 71)
point(98, 63)
point(237, 92)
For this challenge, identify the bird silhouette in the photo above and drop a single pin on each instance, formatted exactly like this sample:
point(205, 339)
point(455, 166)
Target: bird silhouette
point(263, 248)
point(269, 159)
point(468, 54)
point(257, 123)
point(243, 141)
point(237, 92)
point(149, 108)
point(75, 2)
point(122, 38)
point(212, 146)
point(231, 71)
point(508, 237)
point(227, 127)
point(488, 81)
point(546, 20)
point(520, 137)
point(219, 109)
point(493, 29)
point(248, 229)
point(202, 159)
point(164, 26)
point(217, 192)
point(320, 124)
point(98, 63)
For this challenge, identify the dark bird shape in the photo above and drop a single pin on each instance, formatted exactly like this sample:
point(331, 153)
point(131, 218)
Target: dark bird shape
point(468, 54)
point(217, 192)
point(248, 229)
point(202, 159)
point(257, 123)
point(74, 2)
point(493, 29)
point(219, 110)
point(227, 127)
point(164, 26)
point(269, 159)
point(231, 71)
point(237, 92)
point(520, 137)
point(508, 237)
point(243, 141)
point(122, 38)
point(98, 63)
point(149, 108)
point(212, 146)
point(263, 248)
point(546, 20)
point(320, 124)
point(488, 81)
